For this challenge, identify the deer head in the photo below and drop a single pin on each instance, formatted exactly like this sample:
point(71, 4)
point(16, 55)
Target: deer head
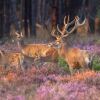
point(65, 31)
point(19, 36)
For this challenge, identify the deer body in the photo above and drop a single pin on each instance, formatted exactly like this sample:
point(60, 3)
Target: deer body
point(11, 59)
point(75, 57)
point(37, 50)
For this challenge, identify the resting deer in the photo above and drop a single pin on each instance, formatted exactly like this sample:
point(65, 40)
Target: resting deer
point(36, 50)
point(8, 59)
point(75, 57)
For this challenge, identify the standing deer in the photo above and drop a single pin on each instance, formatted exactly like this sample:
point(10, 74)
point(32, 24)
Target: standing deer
point(36, 50)
point(75, 57)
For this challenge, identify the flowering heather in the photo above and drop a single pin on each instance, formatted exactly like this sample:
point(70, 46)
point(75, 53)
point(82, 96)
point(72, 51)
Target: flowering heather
point(19, 97)
point(77, 76)
point(91, 48)
point(69, 91)
point(84, 86)
point(77, 90)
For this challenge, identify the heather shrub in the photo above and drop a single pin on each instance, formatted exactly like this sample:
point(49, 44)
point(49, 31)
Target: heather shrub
point(93, 81)
point(19, 97)
point(82, 86)
point(67, 91)
point(77, 76)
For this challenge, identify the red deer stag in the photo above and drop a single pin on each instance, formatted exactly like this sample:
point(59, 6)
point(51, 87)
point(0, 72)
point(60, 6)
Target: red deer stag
point(75, 57)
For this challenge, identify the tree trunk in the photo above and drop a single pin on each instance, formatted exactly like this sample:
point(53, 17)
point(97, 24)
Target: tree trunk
point(6, 23)
point(97, 25)
point(33, 16)
point(1, 17)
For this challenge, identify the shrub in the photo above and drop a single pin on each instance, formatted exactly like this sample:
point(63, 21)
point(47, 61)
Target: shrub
point(62, 63)
point(96, 63)
point(67, 91)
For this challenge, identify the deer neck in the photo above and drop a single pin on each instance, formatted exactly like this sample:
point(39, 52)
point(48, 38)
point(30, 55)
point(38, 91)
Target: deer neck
point(62, 50)
point(19, 45)
point(2, 57)
point(1, 53)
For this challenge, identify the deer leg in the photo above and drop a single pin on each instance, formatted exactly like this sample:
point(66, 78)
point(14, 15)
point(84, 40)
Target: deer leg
point(71, 70)
point(37, 58)
point(20, 64)
point(22, 67)
point(84, 67)
point(90, 64)
point(5, 66)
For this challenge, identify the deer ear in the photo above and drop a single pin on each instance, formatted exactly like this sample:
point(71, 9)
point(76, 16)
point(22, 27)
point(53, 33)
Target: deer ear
point(50, 45)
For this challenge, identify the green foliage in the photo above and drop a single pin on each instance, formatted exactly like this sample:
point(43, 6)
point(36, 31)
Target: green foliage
point(62, 63)
point(96, 64)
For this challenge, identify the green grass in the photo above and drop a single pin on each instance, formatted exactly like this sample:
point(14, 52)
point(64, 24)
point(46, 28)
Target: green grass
point(62, 63)
point(96, 63)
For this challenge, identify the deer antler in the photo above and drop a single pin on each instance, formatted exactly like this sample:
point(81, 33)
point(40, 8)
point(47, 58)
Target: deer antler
point(53, 33)
point(78, 23)
point(64, 32)
point(65, 20)
point(66, 25)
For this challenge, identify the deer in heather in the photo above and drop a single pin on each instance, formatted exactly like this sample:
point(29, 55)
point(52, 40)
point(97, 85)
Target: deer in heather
point(75, 57)
point(36, 51)
point(10, 59)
